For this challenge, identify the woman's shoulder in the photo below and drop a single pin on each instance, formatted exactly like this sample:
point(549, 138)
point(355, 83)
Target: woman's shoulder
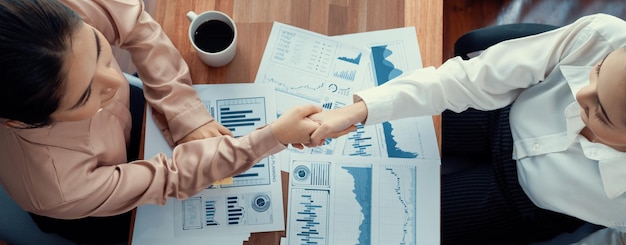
point(602, 20)
point(114, 18)
point(602, 17)
point(598, 29)
point(27, 141)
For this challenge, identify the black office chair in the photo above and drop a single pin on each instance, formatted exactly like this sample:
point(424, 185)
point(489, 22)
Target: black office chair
point(480, 39)
point(469, 45)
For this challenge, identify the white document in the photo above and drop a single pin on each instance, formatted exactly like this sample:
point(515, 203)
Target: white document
point(221, 213)
point(393, 53)
point(311, 68)
point(363, 200)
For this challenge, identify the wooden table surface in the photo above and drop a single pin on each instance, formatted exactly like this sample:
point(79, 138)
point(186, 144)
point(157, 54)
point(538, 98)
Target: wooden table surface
point(330, 17)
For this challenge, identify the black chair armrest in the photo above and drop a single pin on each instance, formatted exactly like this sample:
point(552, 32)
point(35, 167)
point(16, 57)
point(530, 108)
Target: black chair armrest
point(481, 39)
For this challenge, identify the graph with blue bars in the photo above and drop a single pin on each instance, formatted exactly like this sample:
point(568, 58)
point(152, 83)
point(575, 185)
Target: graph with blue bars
point(345, 74)
point(310, 208)
point(235, 211)
point(210, 211)
point(242, 116)
point(348, 69)
point(361, 143)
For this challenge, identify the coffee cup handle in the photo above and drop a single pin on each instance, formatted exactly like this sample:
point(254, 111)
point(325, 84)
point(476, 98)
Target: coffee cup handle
point(191, 15)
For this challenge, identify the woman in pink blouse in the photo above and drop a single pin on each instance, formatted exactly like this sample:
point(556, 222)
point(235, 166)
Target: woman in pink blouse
point(65, 119)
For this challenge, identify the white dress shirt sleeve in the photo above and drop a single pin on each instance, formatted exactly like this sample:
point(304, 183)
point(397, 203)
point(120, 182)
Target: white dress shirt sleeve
point(492, 80)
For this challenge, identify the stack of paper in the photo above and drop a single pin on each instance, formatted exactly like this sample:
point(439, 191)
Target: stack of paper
point(377, 185)
point(223, 213)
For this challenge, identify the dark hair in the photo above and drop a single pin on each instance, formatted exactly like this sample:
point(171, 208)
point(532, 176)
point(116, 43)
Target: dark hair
point(35, 38)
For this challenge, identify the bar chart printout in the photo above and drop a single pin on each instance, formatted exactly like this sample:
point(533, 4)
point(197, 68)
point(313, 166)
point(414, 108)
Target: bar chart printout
point(311, 215)
point(252, 203)
point(242, 116)
point(362, 200)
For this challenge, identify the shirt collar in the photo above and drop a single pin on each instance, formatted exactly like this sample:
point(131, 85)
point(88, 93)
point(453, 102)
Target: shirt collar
point(576, 79)
point(610, 161)
point(611, 165)
point(576, 76)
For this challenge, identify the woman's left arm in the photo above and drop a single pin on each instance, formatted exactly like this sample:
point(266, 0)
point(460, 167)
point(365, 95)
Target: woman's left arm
point(179, 112)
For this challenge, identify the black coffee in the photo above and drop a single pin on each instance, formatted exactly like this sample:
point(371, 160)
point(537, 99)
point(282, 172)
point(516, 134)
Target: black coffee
point(213, 36)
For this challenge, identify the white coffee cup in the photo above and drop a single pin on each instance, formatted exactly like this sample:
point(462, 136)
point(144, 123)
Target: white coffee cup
point(211, 40)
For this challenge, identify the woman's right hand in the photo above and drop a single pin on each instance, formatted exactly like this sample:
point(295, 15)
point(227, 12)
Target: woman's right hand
point(295, 127)
point(337, 122)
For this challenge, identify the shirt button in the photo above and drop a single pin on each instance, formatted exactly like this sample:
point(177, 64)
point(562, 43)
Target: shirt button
point(536, 147)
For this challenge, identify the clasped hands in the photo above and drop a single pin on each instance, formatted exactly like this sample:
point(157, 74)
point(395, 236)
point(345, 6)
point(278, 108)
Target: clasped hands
point(310, 126)
point(305, 125)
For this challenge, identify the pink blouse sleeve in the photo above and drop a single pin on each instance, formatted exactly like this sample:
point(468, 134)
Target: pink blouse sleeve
point(165, 74)
point(192, 168)
point(82, 187)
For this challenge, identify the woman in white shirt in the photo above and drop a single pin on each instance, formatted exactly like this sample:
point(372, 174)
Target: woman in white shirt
point(563, 160)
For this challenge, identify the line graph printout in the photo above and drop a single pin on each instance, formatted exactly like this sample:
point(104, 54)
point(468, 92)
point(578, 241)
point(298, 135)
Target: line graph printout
point(393, 53)
point(363, 200)
point(252, 203)
point(310, 68)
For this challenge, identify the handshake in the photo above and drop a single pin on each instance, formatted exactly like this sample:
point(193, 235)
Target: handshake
point(309, 126)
